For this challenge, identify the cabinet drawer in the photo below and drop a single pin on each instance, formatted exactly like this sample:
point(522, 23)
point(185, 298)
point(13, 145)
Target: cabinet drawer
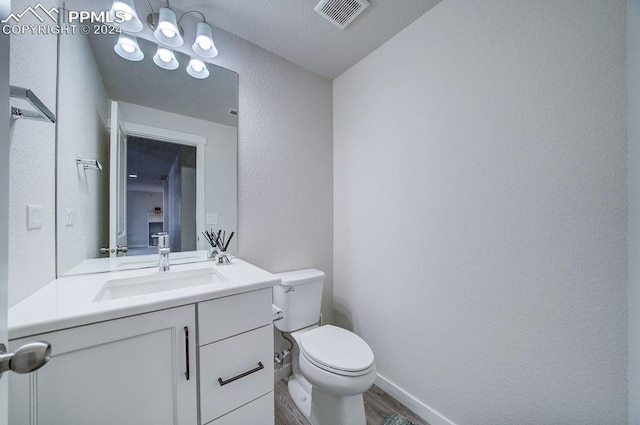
point(258, 412)
point(225, 317)
point(235, 371)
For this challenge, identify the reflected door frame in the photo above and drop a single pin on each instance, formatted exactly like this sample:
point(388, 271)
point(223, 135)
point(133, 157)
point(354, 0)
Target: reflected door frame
point(186, 139)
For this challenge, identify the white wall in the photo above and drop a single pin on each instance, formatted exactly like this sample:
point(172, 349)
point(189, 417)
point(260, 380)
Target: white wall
point(32, 260)
point(480, 211)
point(285, 173)
point(139, 205)
point(82, 132)
point(633, 75)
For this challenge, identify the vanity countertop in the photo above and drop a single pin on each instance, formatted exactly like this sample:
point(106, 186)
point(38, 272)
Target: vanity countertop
point(69, 301)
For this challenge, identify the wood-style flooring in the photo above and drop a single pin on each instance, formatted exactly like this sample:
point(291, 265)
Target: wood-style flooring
point(377, 405)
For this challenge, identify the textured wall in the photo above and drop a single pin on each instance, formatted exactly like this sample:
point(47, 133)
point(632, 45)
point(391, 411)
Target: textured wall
point(285, 173)
point(480, 210)
point(82, 131)
point(32, 171)
point(633, 75)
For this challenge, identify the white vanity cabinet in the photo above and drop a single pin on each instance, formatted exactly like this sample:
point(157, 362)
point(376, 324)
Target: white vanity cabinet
point(134, 370)
point(151, 368)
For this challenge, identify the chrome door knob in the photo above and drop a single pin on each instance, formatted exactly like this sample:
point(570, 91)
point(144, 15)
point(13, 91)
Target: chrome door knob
point(28, 358)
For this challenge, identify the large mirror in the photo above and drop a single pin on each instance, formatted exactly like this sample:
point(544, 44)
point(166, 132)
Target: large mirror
point(140, 150)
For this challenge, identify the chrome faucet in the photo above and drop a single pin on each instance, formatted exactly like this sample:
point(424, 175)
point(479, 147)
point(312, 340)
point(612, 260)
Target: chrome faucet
point(163, 251)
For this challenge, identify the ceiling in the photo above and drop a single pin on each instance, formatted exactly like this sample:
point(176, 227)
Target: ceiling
point(294, 31)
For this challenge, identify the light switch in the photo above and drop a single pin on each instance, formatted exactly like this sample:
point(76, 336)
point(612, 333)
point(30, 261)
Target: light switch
point(34, 217)
point(212, 218)
point(69, 217)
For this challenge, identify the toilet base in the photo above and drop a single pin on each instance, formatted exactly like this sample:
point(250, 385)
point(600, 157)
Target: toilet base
point(328, 409)
point(300, 392)
point(322, 408)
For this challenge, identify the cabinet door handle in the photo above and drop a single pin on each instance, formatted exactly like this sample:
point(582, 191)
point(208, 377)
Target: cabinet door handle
point(242, 375)
point(186, 350)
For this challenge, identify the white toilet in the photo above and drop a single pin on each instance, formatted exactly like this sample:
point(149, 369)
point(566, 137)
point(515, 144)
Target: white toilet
point(332, 367)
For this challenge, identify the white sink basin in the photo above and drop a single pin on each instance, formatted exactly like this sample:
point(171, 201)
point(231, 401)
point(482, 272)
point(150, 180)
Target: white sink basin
point(157, 282)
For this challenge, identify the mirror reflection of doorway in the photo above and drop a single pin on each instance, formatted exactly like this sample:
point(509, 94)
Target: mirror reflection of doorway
point(161, 195)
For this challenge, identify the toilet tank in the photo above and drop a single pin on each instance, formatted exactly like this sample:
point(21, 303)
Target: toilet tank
point(299, 296)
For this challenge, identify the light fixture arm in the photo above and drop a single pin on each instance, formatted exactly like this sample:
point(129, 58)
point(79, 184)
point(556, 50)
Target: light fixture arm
point(153, 14)
point(189, 12)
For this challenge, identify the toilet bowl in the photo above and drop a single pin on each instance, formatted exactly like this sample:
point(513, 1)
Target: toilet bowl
point(336, 360)
point(332, 367)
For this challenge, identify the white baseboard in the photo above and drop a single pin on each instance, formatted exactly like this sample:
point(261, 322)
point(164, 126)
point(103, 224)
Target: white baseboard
point(411, 403)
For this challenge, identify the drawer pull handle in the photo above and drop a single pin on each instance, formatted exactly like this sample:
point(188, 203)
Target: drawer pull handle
point(242, 375)
point(186, 349)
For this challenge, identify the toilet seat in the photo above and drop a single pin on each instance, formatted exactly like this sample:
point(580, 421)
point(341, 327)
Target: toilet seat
point(337, 350)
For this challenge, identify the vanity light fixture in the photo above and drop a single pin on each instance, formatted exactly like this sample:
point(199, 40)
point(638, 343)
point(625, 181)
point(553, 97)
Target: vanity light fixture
point(131, 21)
point(169, 34)
point(128, 48)
point(165, 58)
point(197, 69)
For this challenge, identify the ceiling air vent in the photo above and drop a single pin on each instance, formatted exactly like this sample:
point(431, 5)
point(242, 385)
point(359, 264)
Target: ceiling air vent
point(341, 12)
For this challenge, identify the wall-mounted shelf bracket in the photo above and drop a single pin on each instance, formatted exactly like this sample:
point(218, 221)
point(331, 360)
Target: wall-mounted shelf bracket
point(39, 111)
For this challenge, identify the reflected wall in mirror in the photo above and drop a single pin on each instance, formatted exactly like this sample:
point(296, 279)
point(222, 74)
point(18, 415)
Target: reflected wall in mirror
point(167, 144)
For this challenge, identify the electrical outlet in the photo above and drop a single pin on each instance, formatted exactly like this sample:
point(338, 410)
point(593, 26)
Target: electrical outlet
point(34, 217)
point(212, 218)
point(69, 217)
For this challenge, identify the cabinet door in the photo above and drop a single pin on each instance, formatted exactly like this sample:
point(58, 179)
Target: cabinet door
point(125, 371)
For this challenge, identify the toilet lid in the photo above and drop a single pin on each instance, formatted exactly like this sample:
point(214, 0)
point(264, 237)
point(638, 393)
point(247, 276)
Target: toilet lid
point(335, 348)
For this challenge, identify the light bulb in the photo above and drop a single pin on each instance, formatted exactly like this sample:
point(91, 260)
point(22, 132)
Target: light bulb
point(128, 48)
point(165, 55)
point(165, 59)
point(197, 69)
point(124, 12)
point(203, 45)
point(168, 32)
point(197, 66)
